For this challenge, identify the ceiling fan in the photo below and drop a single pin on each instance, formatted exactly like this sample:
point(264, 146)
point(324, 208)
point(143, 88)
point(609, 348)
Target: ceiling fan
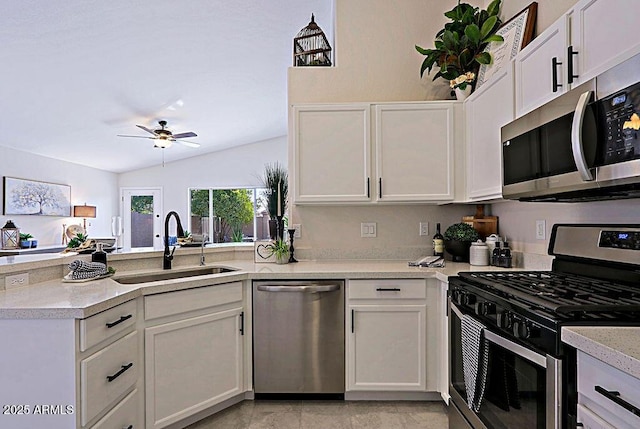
point(164, 138)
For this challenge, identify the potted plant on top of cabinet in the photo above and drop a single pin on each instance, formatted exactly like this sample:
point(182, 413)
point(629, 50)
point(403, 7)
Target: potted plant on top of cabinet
point(460, 45)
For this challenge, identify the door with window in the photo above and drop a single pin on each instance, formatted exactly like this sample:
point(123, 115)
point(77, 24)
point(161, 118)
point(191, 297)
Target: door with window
point(142, 218)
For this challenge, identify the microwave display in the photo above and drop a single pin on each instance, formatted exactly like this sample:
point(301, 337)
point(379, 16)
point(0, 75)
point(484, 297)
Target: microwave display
point(619, 117)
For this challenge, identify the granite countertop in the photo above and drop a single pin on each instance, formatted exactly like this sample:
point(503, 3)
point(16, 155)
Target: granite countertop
point(56, 299)
point(617, 346)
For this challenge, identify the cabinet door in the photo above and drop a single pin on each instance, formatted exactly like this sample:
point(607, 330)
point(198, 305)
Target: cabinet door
point(486, 112)
point(535, 70)
point(603, 33)
point(414, 152)
point(191, 365)
point(386, 348)
point(331, 152)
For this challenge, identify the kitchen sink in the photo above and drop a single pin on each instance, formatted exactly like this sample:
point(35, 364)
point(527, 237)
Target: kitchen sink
point(170, 275)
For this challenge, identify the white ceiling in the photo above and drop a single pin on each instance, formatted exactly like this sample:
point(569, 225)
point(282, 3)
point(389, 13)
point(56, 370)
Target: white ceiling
point(75, 73)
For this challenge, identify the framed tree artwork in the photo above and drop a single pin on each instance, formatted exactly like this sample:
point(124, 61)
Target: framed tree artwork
point(517, 33)
point(30, 197)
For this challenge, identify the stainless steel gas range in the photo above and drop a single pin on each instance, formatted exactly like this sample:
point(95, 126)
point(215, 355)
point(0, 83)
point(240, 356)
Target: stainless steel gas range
point(508, 366)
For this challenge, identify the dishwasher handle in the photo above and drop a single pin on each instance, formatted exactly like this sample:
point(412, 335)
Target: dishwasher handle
point(309, 288)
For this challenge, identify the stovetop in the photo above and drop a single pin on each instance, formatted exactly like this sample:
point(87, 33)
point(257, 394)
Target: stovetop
point(560, 293)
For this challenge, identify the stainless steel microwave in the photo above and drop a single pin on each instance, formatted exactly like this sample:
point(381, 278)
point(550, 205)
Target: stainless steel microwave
point(582, 146)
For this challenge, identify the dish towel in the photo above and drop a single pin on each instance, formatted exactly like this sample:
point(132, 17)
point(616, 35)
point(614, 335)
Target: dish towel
point(86, 270)
point(475, 360)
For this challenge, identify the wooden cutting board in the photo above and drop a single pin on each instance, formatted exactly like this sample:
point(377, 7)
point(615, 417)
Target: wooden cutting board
point(485, 225)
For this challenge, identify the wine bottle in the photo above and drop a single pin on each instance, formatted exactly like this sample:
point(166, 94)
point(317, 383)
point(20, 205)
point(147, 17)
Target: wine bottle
point(438, 242)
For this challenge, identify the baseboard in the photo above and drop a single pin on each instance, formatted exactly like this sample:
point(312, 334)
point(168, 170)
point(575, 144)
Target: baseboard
point(392, 396)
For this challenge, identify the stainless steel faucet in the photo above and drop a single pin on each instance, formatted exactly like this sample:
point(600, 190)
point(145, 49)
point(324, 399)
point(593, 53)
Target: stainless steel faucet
point(205, 237)
point(168, 255)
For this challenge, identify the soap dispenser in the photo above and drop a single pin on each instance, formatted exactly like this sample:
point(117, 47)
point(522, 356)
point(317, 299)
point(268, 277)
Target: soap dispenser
point(99, 255)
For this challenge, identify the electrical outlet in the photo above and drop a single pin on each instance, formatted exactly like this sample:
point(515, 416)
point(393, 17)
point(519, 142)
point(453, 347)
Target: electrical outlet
point(424, 228)
point(368, 229)
point(298, 229)
point(541, 230)
point(17, 280)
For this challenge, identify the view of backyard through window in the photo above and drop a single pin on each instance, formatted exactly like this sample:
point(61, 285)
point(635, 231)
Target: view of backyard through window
point(142, 221)
point(229, 215)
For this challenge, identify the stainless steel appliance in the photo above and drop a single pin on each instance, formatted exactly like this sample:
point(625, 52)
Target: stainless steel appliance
point(582, 146)
point(298, 338)
point(531, 375)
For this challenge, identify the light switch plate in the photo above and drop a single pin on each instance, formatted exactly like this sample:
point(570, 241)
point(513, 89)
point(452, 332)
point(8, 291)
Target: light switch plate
point(424, 228)
point(368, 229)
point(298, 229)
point(541, 230)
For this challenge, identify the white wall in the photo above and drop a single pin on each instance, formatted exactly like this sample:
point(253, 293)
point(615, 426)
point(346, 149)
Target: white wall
point(235, 167)
point(548, 10)
point(95, 187)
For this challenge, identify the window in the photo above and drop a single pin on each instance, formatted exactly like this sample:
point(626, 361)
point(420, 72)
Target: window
point(229, 215)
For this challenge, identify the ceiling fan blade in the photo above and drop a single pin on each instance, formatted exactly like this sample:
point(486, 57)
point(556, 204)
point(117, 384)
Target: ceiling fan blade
point(149, 130)
point(184, 135)
point(188, 144)
point(137, 137)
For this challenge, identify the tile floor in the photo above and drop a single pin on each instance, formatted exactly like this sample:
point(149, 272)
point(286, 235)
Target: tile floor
point(328, 415)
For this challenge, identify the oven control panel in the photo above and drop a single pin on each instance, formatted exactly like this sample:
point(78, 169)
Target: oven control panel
point(629, 240)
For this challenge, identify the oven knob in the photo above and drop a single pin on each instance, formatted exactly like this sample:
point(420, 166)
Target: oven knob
point(484, 308)
point(521, 329)
point(469, 299)
point(504, 319)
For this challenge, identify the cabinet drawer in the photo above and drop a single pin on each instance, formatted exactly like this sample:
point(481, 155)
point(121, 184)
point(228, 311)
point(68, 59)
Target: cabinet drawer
point(596, 383)
point(387, 289)
point(167, 304)
point(107, 374)
point(99, 327)
point(124, 415)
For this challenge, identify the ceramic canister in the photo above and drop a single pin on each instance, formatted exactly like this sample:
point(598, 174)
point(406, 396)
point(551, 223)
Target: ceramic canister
point(479, 253)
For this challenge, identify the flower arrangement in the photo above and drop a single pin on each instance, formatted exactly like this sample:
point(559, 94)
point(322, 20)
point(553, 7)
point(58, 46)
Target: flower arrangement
point(462, 81)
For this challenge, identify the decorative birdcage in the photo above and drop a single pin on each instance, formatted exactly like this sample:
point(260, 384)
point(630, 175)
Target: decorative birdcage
point(311, 47)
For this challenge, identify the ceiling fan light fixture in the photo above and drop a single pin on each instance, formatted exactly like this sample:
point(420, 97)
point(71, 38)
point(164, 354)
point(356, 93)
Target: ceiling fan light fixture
point(163, 143)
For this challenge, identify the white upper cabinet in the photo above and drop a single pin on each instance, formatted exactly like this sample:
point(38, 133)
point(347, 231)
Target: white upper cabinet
point(486, 111)
point(331, 152)
point(603, 34)
point(589, 39)
point(414, 151)
point(541, 68)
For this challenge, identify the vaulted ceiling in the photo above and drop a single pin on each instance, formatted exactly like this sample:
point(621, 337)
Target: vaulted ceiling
point(76, 73)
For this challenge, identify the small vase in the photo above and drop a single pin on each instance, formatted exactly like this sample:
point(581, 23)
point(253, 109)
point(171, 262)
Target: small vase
point(282, 259)
point(462, 94)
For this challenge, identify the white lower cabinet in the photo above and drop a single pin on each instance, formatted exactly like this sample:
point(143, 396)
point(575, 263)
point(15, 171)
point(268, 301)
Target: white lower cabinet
point(607, 397)
point(387, 344)
point(66, 373)
point(194, 356)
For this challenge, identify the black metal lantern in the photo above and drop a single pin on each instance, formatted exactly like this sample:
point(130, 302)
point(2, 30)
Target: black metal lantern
point(10, 236)
point(311, 47)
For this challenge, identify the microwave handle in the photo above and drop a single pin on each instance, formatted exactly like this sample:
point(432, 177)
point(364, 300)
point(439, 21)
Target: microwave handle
point(576, 138)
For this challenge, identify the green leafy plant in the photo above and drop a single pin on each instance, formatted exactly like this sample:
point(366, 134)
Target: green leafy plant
point(274, 175)
point(461, 232)
point(279, 248)
point(459, 46)
point(25, 236)
point(77, 241)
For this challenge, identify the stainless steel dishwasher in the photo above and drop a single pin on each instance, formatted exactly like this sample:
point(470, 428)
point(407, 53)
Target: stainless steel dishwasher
point(298, 338)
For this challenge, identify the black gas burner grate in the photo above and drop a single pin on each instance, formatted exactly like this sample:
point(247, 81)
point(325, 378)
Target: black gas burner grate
point(559, 292)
